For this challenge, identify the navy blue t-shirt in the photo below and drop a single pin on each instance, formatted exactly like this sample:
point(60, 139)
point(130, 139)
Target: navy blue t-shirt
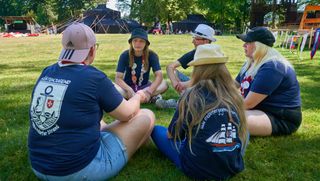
point(123, 67)
point(65, 112)
point(276, 81)
point(216, 148)
point(186, 58)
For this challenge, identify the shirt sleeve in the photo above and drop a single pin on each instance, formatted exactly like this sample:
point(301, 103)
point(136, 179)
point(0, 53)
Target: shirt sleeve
point(154, 62)
point(108, 96)
point(267, 79)
point(123, 62)
point(186, 58)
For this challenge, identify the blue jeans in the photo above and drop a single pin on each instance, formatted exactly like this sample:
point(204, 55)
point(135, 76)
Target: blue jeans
point(182, 77)
point(110, 159)
point(168, 147)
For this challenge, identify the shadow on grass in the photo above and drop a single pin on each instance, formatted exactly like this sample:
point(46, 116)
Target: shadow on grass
point(3, 67)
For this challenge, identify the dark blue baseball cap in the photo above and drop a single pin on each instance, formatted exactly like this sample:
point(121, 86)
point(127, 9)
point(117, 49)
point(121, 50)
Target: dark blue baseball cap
point(139, 33)
point(260, 34)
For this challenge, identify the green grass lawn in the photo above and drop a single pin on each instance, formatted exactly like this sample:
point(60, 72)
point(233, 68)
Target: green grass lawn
point(295, 157)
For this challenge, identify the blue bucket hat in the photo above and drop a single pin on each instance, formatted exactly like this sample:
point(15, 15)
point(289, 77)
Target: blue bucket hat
point(260, 34)
point(139, 33)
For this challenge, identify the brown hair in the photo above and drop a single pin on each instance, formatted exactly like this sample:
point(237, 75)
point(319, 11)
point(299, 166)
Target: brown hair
point(145, 53)
point(216, 79)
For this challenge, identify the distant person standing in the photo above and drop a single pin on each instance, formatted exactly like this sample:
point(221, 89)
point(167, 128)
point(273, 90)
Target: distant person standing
point(170, 27)
point(203, 34)
point(167, 28)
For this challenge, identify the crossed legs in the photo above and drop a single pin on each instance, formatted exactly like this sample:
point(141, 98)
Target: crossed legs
point(134, 132)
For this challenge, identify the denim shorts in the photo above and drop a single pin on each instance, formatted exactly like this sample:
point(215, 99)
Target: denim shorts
point(110, 159)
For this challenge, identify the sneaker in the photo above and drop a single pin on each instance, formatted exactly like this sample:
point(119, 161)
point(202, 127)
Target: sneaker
point(170, 103)
point(155, 98)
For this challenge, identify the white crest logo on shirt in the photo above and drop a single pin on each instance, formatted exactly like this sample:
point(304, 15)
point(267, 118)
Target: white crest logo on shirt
point(46, 105)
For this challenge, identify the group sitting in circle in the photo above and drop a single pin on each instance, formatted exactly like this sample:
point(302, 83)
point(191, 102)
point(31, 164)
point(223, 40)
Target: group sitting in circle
point(209, 131)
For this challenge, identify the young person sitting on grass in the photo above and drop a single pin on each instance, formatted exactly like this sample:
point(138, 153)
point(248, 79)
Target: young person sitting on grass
point(67, 139)
point(269, 86)
point(203, 34)
point(207, 136)
point(134, 67)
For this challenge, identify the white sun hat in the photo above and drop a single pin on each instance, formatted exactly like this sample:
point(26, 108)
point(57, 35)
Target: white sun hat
point(204, 31)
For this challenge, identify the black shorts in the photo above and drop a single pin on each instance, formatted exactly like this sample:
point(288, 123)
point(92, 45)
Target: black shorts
point(284, 121)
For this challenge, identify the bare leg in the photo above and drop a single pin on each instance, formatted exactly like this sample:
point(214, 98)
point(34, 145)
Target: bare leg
point(134, 132)
point(258, 123)
point(121, 91)
point(161, 88)
point(103, 125)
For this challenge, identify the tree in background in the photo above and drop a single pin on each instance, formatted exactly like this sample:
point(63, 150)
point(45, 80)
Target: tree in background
point(147, 11)
point(229, 14)
point(66, 9)
point(46, 11)
point(226, 14)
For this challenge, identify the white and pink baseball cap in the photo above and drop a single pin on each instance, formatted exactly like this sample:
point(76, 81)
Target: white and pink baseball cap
point(77, 39)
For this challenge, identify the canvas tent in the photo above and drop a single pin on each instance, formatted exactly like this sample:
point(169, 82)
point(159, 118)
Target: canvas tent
point(190, 24)
point(105, 20)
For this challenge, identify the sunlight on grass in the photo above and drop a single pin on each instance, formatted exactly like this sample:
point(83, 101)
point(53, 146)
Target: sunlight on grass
point(293, 157)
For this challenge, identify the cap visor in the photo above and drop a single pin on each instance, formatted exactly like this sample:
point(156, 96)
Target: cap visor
point(74, 55)
point(243, 37)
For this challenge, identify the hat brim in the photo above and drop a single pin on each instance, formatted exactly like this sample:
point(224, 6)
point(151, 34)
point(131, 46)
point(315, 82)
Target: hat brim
point(74, 55)
point(207, 61)
point(205, 37)
point(130, 40)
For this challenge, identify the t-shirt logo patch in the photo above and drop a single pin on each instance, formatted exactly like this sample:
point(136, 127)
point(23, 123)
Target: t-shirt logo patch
point(245, 84)
point(46, 105)
point(224, 139)
point(50, 103)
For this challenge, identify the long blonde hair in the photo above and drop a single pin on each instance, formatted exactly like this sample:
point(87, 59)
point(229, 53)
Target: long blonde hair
point(218, 81)
point(145, 53)
point(261, 55)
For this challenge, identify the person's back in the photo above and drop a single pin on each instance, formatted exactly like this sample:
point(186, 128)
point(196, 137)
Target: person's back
point(216, 148)
point(71, 94)
point(207, 135)
point(68, 140)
